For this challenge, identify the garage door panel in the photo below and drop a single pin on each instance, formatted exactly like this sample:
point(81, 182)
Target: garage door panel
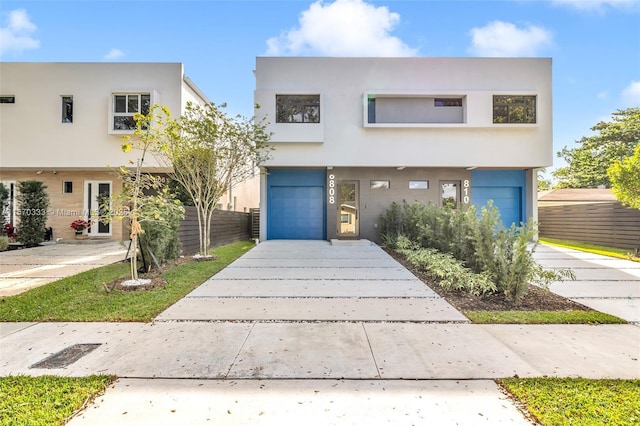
point(506, 199)
point(296, 212)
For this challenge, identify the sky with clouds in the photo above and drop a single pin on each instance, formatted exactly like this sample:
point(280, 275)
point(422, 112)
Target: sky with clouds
point(594, 44)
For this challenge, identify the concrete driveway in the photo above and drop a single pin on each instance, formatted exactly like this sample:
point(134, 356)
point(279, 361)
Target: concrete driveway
point(602, 283)
point(23, 269)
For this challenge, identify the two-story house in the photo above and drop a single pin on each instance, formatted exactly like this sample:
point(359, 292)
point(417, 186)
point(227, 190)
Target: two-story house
point(62, 124)
point(352, 135)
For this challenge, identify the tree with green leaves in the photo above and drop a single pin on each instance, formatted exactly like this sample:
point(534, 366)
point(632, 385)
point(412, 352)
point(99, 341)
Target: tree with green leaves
point(625, 179)
point(210, 153)
point(143, 197)
point(587, 164)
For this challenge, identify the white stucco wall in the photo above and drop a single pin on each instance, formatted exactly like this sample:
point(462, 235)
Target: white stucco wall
point(343, 138)
point(31, 132)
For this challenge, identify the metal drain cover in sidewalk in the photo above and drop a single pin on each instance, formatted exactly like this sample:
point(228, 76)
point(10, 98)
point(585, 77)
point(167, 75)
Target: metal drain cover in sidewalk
point(67, 356)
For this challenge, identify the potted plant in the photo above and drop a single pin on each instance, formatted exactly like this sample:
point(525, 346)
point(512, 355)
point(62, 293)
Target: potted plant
point(10, 232)
point(79, 225)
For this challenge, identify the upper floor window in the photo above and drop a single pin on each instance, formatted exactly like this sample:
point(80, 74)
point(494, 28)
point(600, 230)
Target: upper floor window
point(447, 102)
point(7, 99)
point(125, 106)
point(67, 109)
point(514, 109)
point(297, 108)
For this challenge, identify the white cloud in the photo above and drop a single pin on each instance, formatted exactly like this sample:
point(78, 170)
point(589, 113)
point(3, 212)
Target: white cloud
point(504, 39)
point(342, 28)
point(597, 5)
point(113, 54)
point(16, 35)
point(631, 93)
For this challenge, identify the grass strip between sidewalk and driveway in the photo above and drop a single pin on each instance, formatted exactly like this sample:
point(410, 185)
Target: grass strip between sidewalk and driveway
point(592, 248)
point(83, 298)
point(577, 402)
point(542, 317)
point(47, 400)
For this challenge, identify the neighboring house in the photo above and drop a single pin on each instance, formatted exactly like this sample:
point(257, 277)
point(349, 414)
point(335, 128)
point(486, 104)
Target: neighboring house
point(62, 124)
point(592, 216)
point(352, 135)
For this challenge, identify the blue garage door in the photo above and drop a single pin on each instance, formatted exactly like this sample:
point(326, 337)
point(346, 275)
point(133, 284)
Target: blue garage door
point(505, 187)
point(296, 206)
point(506, 199)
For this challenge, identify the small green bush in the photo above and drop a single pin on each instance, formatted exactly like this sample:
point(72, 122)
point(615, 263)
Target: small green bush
point(448, 272)
point(4, 242)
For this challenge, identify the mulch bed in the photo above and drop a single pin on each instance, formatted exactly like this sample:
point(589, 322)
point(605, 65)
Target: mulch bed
point(536, 299)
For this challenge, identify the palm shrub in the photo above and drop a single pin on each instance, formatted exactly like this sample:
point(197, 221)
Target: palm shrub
point(33, 202)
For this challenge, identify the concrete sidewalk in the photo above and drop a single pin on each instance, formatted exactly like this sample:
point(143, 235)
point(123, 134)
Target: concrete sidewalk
point(305, 331)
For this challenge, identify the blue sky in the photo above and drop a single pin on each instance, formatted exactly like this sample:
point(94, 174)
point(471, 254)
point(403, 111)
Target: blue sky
point(595, 44)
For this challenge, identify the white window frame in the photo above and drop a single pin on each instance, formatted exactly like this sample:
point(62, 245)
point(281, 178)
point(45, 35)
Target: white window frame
point(153, 98)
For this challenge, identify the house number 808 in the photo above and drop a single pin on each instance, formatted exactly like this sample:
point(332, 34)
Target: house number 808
point(332, 189)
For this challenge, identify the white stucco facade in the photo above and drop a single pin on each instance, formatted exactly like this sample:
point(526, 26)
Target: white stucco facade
point(32, 132)
point(344, 138)
point(73, 147)
point(404, 123)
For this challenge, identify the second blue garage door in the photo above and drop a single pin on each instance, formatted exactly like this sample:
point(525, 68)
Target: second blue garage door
point(505, 187)
point(296, 204)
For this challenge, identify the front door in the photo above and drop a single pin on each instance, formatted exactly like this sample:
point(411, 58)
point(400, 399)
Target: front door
point(348, 214)
point(97, 201)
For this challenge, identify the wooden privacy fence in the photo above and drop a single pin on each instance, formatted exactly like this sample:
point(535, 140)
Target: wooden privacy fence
point(605, 224)
point(226, 227)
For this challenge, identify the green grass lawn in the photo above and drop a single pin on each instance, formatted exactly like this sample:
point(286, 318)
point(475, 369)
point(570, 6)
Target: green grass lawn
point(542, 317)
point(82, 297)
point(46, 400)
point(578, 402)
point(591, 248)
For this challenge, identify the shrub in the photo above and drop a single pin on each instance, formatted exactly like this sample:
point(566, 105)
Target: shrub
point(33, 208)
point(481, 244)
point(162, 213)
point(448, 272)
point(4, 243)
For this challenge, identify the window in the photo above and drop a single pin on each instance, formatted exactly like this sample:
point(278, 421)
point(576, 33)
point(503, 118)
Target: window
point(380, 184)
point(125, 106)
point(514, 109)
point(450, 194)
point(67, 187)
point(418, 184)
point(345, 218)
point(297, 108)
point(7, 99)
point(67, 109)
point(447, 102)
point(407, 110)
